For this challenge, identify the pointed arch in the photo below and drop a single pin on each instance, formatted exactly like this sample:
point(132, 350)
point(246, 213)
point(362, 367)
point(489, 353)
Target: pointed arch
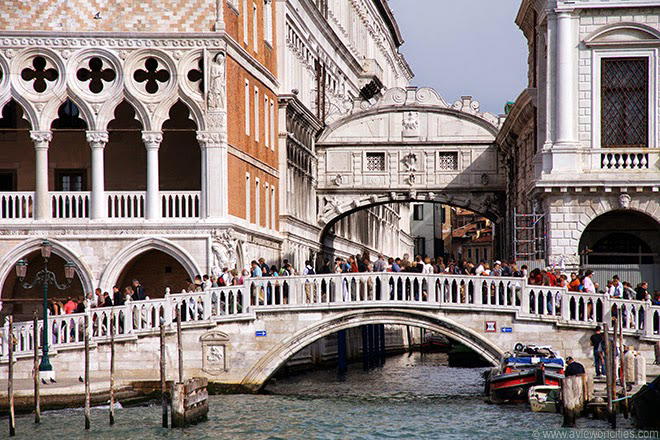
point(8, 261)
point(116, 265)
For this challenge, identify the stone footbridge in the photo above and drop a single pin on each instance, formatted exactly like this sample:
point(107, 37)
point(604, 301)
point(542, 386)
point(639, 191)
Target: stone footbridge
point(241, 335)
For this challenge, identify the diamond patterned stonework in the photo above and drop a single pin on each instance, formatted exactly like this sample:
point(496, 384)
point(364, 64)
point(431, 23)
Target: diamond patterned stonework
point(375, 161)
point(447, 161)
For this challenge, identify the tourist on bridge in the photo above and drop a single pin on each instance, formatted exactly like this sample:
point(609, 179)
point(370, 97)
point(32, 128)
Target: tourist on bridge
point(598, 346)
point(616, 289)
point(138, 291)
point(380, 264)
point(70, 306)
point(642, 292)
point(117, 297)
point(587, 282)
point(256, 271)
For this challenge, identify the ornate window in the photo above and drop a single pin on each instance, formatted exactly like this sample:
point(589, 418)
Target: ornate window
point(624, 102)
point(447, 161)
point(375, 161)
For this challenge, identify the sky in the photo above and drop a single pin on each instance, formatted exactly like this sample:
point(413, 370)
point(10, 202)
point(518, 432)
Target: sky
point(465, 47)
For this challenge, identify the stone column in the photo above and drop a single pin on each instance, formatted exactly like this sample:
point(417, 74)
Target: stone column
point(213, 199)
point(41, 141)
point(97, 141)
point(152, 140)
point(565, 78)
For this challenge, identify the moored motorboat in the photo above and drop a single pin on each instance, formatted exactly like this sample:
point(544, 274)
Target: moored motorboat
point(527, 366)
point(435, 342)
point(544, 398)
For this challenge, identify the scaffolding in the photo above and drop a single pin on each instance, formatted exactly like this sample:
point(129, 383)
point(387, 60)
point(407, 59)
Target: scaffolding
point(529, 236)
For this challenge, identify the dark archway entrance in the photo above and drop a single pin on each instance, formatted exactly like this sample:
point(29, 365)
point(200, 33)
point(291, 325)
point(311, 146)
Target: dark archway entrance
point(156, 270)
point(23, 302)
point(623, 242)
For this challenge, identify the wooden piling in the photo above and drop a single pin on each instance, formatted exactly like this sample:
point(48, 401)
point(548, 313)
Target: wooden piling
point(88, 423)
point(572, 393)
point(613, 367)
point(35, 338)
point(179, 343)
point(163, 384)
point(10, 378)
point(112, 368)
point(189, 402)
point(622, 358)
point(608, 371)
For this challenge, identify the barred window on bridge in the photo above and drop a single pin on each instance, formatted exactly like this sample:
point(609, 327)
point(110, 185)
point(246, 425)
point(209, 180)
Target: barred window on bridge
point(624, 102)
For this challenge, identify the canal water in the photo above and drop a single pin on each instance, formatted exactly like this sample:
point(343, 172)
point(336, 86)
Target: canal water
point(412, 397)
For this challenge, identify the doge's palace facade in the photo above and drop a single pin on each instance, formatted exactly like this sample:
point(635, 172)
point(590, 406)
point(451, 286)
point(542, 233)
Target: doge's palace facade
point(127, 133)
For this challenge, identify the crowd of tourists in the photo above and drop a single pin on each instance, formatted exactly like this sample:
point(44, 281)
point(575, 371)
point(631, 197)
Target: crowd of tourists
point(98, 298)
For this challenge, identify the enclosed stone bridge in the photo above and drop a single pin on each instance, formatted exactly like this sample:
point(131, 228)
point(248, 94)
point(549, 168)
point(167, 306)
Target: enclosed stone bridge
point(240, 336)
point(410, 145)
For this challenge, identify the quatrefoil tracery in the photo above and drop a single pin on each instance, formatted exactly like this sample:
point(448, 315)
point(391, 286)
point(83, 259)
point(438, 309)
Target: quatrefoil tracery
point(39, 74)
point(96, 75)
point(197, 75)
point(151, 75)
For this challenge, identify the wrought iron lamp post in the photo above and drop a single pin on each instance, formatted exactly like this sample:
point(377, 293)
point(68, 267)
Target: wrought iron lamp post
point(44, 278)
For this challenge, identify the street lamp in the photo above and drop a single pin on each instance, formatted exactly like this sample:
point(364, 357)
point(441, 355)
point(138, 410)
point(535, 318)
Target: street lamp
point(45, 277)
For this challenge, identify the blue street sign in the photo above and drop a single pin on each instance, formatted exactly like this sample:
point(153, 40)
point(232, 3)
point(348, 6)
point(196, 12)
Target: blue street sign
point(260, 333)
point(507, 330)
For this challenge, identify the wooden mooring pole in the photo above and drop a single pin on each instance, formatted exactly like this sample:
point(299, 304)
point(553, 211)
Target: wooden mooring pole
point(624, 402)
point(608, 371)
point(179, 343)
point(112, 368)
point(163, 383)
point(88, 423)
point(35, 339)
point(613, 366)
point(10, 378)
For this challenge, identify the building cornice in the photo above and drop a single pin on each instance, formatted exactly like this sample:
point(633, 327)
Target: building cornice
point(291, 101)
point(519, 115)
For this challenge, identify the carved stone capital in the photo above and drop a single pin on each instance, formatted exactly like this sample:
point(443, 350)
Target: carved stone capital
point(41, 139)
point(152, 139)
point(97, 139)
point(211, 139)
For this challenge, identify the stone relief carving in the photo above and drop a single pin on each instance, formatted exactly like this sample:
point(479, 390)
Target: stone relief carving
point(214, 352)
point(411, 124)
point(216, 96)
point(224, 250)
point(409, 162)
point(624, 200)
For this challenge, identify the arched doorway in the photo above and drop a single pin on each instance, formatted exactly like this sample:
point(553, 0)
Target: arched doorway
point(623, 242)
point(21, 302)
point(156, 270)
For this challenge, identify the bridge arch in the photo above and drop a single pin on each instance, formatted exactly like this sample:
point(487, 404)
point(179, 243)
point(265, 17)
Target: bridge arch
point(280, 354)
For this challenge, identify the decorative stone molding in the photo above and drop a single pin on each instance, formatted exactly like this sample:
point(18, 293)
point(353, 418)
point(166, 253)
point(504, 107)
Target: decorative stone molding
point(411, 124)
point(210, 139)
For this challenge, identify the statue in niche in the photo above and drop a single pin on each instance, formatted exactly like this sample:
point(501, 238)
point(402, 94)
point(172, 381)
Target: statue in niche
point(216, 97)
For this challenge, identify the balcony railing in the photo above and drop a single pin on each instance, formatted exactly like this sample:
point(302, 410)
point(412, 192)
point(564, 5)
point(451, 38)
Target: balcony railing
point(19, 205)
point(616, 159)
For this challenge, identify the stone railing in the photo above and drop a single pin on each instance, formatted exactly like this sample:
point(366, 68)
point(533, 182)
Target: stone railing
point(631, 159)
point(126, 204)
point(69, 204)
point(471, 294)
point(180, 204)
point(16, 205)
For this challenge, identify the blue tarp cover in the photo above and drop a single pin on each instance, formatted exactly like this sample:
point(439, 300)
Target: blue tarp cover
point(534, 360)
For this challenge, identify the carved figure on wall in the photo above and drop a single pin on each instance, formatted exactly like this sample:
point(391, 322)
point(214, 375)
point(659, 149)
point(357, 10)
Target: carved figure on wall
point(410, 162)
point(224, 250)
point(216, 97)
point(624, 200)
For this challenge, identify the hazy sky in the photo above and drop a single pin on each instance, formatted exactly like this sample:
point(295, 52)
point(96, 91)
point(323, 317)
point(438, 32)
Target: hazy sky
point(465, 47)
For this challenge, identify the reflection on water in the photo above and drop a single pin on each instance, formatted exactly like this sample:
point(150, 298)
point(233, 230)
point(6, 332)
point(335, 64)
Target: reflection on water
point(416, 397)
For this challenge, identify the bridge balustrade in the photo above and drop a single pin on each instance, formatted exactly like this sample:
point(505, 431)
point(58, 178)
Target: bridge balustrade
point(337, 291)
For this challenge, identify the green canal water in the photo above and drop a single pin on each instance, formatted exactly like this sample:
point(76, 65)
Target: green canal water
point(411, 397)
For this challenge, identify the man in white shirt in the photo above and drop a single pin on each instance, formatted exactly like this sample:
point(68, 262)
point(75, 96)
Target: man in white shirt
point(481, 268)
point(588, 283)
point(616, 289)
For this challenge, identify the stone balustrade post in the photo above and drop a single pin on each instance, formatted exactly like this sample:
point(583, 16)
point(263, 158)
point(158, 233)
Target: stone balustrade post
point(168, 305)
point(648, 319)
point(206, 300)
point(5, 338)
point(128, 318)
point(525, 293)
point(607, 309)
point(566, 306)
